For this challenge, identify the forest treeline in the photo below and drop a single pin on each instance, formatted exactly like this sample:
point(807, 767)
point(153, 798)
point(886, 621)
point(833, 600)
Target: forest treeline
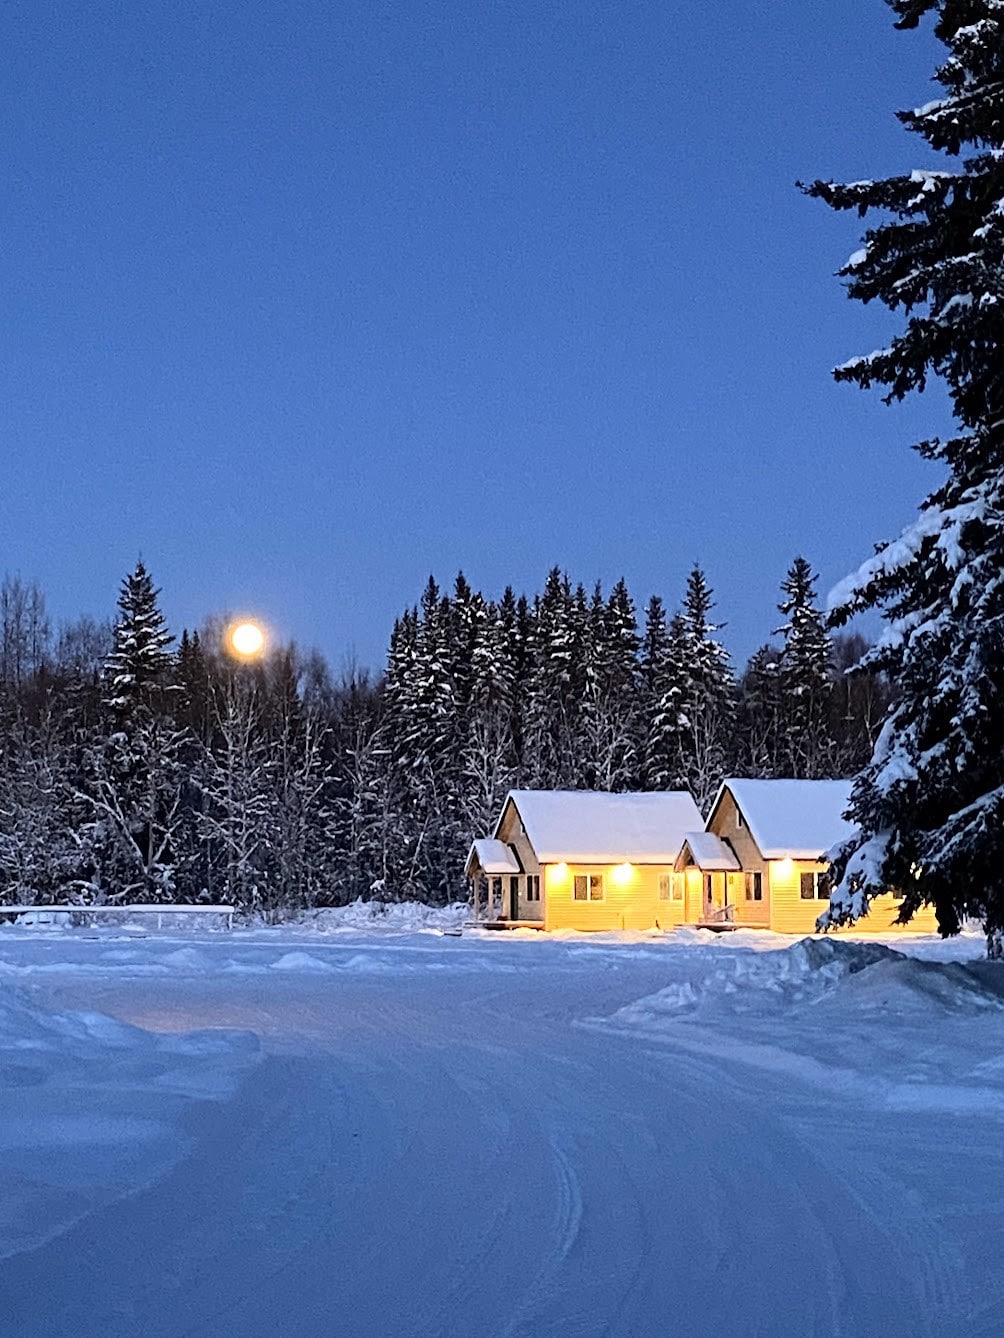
point(134, 766)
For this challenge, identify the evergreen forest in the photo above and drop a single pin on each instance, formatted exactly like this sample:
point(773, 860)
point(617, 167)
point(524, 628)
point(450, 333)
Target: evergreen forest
point(140, 766)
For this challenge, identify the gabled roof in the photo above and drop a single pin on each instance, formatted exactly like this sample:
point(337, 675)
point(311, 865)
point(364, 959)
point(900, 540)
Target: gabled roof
point(791, 819)
point(593, 827)
point(707, 852)
point(492, 856)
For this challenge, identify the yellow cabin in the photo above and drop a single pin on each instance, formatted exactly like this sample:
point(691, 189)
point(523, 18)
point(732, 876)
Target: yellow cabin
point(585, 859)
point(778, 832)
point(589, 860)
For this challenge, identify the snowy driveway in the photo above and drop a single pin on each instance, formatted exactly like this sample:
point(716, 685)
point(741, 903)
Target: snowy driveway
point(482, 1137)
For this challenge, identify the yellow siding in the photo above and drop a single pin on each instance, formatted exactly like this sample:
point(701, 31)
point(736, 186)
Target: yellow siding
point(751, 914)
point(882, 914)
point(727, 826)
point(511, 831)
point(694, 909)
point(791, 915)
point(630, 898)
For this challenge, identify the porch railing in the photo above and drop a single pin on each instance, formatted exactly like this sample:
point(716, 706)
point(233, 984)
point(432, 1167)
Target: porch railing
point(720, 915)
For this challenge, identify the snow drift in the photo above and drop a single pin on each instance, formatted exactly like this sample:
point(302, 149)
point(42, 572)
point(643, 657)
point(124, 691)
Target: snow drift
point(91, 1109)
point(816, 973)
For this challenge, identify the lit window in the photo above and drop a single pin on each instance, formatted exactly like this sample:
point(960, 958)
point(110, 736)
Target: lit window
point(671, 886)
point(815, 886)
point(754, 886)
point(588, 887)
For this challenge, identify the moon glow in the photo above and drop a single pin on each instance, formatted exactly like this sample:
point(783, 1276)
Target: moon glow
point(247, 639)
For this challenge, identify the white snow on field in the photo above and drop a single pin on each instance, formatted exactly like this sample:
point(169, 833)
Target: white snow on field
point(386, 917)
point(89, 1105)
point(360, 1125)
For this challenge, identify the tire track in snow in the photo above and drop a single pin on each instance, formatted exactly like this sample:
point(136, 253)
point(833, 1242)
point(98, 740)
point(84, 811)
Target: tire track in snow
point(416, 1161)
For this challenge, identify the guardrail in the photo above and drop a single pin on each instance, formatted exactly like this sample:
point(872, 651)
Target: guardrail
point(160, 909)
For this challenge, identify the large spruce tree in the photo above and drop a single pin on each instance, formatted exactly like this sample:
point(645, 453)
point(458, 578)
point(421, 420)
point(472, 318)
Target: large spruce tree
point(930, 804)
point(805, 679)
point(132, 779)
point(705, 701)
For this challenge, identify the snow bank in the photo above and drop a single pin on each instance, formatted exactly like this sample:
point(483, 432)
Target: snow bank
point(91, 1109)
point(830, 973)
point(403, 917)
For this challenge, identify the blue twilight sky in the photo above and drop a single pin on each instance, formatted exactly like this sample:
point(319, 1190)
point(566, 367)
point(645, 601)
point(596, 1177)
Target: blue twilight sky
point(303, 302)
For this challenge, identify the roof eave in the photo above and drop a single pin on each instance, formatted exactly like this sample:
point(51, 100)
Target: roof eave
point(804, 855)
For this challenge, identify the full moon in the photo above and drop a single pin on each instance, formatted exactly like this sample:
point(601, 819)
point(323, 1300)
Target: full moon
point(247, 639)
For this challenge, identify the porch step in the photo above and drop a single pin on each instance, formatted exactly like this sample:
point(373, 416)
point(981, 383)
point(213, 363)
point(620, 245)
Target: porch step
point(504, 924)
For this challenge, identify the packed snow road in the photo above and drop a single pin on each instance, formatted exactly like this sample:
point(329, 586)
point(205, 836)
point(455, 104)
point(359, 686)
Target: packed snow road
point(468, 1138)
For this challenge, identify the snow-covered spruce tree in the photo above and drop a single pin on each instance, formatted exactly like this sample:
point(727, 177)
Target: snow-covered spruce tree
point(606, 730)
point(511, 638)
point(805, 679)
point(425, 713)
point(139, 667)
point(759, 714)
point(552, 704)
point(488, 752)
point(656, 754)
point(930, 804)
point(704, 696)
point(666, 683)
point(132, 779)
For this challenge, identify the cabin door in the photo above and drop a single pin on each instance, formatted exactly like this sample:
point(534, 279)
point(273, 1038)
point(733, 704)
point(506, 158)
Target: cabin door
point(513, 898)
point(713, 893)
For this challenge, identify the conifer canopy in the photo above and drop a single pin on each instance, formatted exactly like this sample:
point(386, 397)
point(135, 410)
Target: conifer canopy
point(930, 804)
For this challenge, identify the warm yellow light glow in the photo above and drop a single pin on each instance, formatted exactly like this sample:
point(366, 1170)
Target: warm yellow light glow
point(247, 639)
point(785, 867)
point(557, 873)
point(621, 874)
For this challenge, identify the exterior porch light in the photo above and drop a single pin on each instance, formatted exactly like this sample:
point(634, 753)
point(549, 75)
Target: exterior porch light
point(621, 874)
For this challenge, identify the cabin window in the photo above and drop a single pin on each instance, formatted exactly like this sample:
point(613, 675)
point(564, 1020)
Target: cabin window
point(709, 887)
point(754, 885)
point(533, 887)
point(815, 886)
point(671, 886)
point(588, 887)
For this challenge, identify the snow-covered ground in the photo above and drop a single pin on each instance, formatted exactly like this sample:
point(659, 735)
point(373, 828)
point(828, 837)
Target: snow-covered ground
point(362, 1127)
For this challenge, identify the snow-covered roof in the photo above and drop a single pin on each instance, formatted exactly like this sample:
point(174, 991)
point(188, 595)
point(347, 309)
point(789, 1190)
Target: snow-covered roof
point(593, 827)
point(492, 856)
point(791, 819)
point(707, 851)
